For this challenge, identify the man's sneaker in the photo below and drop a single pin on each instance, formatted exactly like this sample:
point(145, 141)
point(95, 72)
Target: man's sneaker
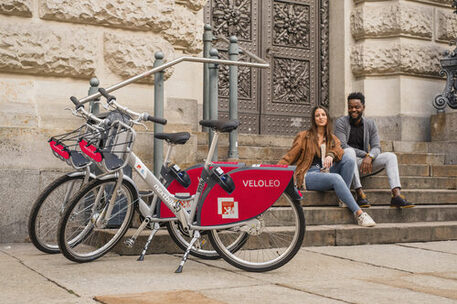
point(400, 202)
point(363, 202)
point(365, 220)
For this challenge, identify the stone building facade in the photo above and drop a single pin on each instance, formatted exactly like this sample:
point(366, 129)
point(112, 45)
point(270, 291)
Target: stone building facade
point(390, 50)
point(49, 49)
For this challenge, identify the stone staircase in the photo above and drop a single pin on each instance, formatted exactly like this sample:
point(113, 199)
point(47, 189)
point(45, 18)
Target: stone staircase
point(426, 181)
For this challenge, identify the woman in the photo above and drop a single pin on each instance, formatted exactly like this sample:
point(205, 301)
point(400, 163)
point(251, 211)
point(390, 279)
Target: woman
point(333, 171)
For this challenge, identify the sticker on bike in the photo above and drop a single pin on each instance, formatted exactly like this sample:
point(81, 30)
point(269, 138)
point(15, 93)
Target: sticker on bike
point(227, 207)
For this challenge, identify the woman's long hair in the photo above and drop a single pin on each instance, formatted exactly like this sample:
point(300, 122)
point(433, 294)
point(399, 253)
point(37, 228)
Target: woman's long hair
point(328, 128)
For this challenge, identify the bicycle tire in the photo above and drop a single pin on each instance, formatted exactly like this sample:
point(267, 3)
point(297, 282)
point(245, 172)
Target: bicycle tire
point(206, 251)
point(268, 246)
point(84, 242)
point(46, 210)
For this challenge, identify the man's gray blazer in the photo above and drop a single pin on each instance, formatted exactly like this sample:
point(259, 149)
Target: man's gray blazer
point(370, 136)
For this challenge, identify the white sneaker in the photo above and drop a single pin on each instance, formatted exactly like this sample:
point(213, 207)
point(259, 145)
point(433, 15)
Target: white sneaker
point(365, 220)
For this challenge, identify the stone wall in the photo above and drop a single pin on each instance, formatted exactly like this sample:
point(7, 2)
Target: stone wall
point(49, 49)
point(392, 50)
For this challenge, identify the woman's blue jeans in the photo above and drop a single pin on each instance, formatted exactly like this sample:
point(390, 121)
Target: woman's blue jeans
point(339, 179)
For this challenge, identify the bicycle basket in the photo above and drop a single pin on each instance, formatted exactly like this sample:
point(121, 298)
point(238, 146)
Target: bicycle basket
point(112, 150)
point(65, 146)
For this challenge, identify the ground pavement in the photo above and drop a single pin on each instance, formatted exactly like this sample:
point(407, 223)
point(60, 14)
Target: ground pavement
point(394, 273)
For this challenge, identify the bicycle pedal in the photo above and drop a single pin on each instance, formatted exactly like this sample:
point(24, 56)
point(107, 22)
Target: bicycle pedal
point(129, 242)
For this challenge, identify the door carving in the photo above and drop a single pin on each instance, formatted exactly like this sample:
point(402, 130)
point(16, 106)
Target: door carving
point(293, 37)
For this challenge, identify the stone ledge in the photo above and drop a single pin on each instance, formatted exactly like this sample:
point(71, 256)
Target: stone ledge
point(22, 8)
point(397, 57)
point(40, 49)
point(392, 19)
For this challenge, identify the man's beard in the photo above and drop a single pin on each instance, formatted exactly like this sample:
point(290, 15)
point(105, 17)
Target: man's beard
point(354, 120)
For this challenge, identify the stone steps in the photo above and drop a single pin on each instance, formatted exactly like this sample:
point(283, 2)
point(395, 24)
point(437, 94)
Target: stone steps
point(384, 233)
point(381, 214)
point(382, 197)
point(323, 235)
point(443, 171)
point(426, 182)
point(411, 182)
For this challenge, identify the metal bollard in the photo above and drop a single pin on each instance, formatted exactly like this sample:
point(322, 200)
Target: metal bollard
point(213, 93)
point(158, 112)
point(234, 51)
point(207, 44)
point(94, 107)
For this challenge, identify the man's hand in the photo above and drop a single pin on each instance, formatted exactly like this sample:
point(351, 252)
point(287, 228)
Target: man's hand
point(367, 165)
point(328, 162)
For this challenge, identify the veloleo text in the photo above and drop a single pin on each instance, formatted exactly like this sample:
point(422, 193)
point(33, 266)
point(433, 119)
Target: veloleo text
point(261, 183)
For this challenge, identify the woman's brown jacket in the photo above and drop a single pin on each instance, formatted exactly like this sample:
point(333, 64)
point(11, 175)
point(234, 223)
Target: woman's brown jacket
point(302, 153)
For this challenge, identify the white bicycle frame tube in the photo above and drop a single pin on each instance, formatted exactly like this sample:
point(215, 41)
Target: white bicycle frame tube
point(170, 200)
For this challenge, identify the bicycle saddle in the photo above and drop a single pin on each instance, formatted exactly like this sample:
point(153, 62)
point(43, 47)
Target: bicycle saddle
point(221, 125)
point(179, 138)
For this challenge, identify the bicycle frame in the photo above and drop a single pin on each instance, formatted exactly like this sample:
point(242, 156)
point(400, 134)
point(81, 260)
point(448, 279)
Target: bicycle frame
point(173, 202)
point(187, 217)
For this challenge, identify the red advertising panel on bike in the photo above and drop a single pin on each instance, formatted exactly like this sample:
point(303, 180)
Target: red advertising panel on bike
point(256, 189)
point(194, 173)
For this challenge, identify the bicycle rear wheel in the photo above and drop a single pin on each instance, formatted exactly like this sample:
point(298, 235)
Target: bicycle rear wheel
point(275, 237)
point(206, 251)
point(47, 209)
point(85, 231)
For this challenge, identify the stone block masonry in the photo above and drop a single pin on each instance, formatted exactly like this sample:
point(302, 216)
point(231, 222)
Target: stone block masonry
point(46, 50)
point(395, 60)
point(16, 7)
point(49, 49)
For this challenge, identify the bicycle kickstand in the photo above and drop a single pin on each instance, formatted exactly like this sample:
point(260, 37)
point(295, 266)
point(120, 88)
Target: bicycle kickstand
point(148, 242)
point(184, 258)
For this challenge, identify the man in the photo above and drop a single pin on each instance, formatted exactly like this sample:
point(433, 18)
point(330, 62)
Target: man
point(360, 133)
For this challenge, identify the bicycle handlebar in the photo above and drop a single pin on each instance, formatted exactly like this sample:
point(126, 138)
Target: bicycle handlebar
point(111, 100)
point(75, 101)
point(89, 116)
point(159, 120)
point(106, 95)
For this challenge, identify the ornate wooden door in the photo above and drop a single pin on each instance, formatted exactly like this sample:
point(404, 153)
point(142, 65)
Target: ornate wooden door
point(293, 37)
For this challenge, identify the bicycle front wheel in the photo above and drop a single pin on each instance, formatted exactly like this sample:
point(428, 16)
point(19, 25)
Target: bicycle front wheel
point(275, 237)
point(47, 209)
point(96, 219)
point(204, 250)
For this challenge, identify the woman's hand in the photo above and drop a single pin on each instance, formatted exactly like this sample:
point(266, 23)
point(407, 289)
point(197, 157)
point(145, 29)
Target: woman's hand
point(328, 162)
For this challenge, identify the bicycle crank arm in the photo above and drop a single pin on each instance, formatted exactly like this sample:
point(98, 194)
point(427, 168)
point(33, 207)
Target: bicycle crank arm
point(131, 240)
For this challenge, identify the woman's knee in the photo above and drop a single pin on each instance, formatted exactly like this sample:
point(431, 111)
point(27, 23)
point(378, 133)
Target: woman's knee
point(349, 157)
point(336, 179)
point(349, 153)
